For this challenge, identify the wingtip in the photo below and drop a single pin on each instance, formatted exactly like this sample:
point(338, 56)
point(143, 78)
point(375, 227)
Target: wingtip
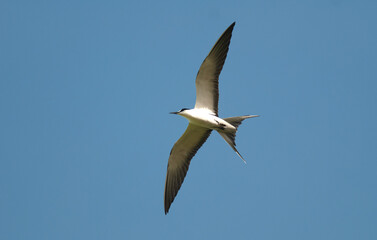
point(166, 209)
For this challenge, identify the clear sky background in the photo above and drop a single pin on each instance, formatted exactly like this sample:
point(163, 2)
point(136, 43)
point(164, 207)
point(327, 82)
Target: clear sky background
point(85, 134)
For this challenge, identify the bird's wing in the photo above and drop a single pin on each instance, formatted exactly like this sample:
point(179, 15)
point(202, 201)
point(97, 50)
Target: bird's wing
point(207, 80)
point(180, 156)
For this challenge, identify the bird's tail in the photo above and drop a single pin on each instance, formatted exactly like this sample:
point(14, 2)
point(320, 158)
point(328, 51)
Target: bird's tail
point(230, 137)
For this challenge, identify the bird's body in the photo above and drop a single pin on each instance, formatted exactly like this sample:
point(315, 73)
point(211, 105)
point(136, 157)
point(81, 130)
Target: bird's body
point(202, 119)
point(207, 119)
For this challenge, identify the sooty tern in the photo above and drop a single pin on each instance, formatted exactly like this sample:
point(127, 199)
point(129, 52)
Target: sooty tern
point(202, 119)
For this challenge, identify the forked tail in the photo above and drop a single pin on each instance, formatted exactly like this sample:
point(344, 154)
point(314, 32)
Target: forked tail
point(230, 137)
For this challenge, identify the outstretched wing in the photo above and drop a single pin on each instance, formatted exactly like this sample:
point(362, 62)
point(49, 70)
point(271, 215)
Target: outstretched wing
point(207, 80)
point(180, 156)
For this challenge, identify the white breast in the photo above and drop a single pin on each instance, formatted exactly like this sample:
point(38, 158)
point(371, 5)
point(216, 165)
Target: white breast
point(206, 118)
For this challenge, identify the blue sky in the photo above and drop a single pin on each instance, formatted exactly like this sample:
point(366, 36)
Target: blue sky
point(85, 134)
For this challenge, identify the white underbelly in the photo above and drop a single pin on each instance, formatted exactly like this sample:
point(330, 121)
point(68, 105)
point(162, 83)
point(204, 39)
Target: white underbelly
point(209, 121)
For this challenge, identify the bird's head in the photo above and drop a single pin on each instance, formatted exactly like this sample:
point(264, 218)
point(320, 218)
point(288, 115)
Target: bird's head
point(180, 111)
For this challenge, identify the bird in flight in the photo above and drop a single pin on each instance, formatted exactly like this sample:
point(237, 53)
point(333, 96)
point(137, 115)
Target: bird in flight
point(203, 118)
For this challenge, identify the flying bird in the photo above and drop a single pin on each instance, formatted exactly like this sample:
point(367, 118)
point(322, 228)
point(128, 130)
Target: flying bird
point(203, 118)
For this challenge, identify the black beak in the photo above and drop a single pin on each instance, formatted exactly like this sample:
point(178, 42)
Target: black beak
point(173, 112)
